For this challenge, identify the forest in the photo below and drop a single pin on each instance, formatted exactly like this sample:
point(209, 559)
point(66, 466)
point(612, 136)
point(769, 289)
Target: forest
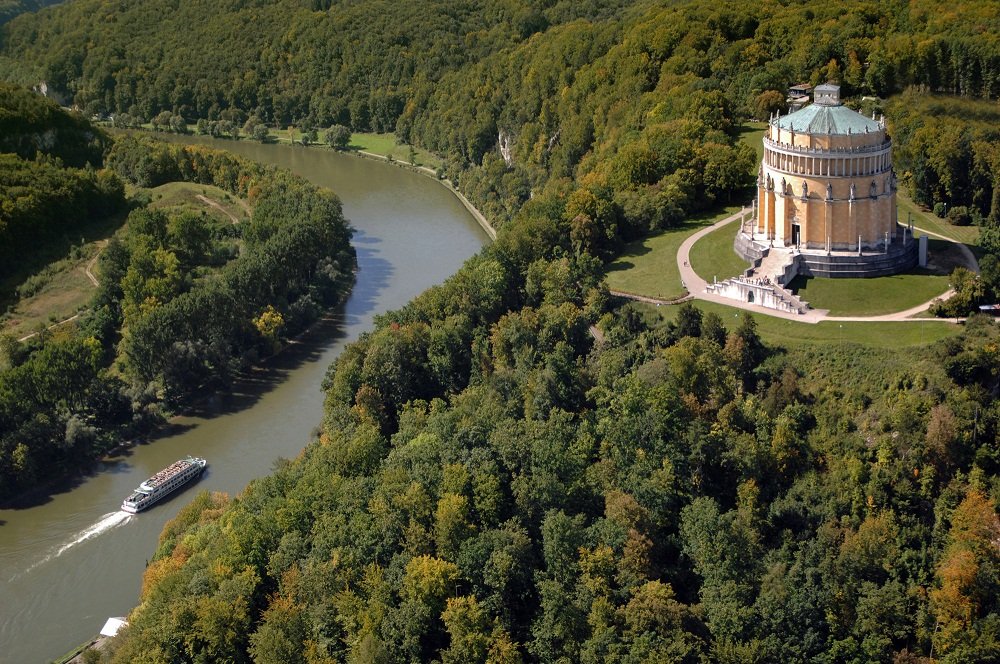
point(494, 485)
point(516, 467)
point(11, 8)
point(182, 305)
point(629, 106)
point(50, 184)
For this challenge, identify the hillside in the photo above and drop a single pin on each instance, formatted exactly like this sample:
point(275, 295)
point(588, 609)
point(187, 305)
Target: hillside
point(11, 8)
point(31, 124)
point(50, 187)
point(182, 303)
point(515, 467)
point(622, 90)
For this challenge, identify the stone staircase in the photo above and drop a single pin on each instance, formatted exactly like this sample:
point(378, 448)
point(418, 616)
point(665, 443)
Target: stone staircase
point(765, 284)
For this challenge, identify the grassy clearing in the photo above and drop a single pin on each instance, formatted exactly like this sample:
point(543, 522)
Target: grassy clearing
point(185, 195)
point(384, 145)
point(649, 266)
point(873, 296)
point(61, 288)
point(713, 255)
point(51, 285)
point(59, 291)
point(790, 334)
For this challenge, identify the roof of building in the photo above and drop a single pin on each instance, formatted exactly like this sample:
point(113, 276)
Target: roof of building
point(824, 119)
point(112, 626)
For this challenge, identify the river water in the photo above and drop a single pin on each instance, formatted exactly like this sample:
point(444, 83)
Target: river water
point(68, 564)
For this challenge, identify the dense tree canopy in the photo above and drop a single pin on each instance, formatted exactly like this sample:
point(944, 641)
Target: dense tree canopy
point(492, 483)
point(182, 303)
point(50, 185)
point(680, 493)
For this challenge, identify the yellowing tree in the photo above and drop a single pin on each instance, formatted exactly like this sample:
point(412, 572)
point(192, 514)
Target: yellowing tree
point(967, 574)
point(269, 324)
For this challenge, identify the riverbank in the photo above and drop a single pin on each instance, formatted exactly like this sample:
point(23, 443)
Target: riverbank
point(431, 173)
point(410, 235)
point(282, 137)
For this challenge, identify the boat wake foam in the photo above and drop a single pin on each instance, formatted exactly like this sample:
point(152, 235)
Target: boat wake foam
point(104, 524)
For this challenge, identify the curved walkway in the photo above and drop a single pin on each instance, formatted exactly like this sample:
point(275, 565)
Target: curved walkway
point(696, 286)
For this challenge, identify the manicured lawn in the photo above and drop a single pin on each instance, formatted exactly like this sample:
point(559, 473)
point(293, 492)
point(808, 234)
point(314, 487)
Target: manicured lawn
point(782, 332)
point(931, 222)
point(870, 297)
point(752, 133)
point(649, 266)
point(713, 255)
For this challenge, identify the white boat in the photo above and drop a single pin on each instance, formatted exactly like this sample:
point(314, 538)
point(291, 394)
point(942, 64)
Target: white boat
point(164, 483)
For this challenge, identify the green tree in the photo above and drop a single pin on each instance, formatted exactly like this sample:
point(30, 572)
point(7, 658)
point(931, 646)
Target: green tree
point(337, 136)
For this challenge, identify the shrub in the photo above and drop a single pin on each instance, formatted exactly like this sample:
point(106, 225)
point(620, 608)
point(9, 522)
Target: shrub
point(959, 216)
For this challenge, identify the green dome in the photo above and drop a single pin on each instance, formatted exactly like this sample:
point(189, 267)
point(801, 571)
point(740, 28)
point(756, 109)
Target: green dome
point(826, 119)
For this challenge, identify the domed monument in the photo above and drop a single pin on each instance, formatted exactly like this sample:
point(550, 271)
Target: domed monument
point(826, 195)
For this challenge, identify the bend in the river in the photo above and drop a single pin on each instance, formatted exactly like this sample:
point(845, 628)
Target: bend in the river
point(72, 562)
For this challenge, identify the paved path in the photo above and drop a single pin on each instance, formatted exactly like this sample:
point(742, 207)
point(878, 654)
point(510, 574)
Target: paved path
point(696, 286)
point(970, 258)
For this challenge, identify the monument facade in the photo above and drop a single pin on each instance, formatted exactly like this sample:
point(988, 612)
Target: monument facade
point(826, 190)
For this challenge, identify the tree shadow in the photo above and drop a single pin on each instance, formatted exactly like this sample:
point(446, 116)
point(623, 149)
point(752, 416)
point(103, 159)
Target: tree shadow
point(254, 383)
point(374, 275)
point(618, 266)
point(115, 461)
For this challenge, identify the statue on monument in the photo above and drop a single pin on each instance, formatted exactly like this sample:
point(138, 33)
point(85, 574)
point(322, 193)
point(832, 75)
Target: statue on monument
point(829, 191)
point(805, 190)
point(853, 191)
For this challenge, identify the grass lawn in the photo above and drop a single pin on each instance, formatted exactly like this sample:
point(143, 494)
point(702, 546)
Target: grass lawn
point(931, 222)
point(713, 255)
point(385, 145)
point(752, 133)
point(854, 297)
point(870, 297)
point(649, 266)
point(782, 332)
point(380, 144)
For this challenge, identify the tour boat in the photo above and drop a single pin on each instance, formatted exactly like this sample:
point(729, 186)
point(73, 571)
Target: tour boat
point(164, 483)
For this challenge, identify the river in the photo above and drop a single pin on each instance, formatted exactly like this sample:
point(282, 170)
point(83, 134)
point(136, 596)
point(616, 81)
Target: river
point(68, 564)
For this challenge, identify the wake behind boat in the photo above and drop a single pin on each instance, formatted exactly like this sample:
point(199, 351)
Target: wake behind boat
point(163, 483)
